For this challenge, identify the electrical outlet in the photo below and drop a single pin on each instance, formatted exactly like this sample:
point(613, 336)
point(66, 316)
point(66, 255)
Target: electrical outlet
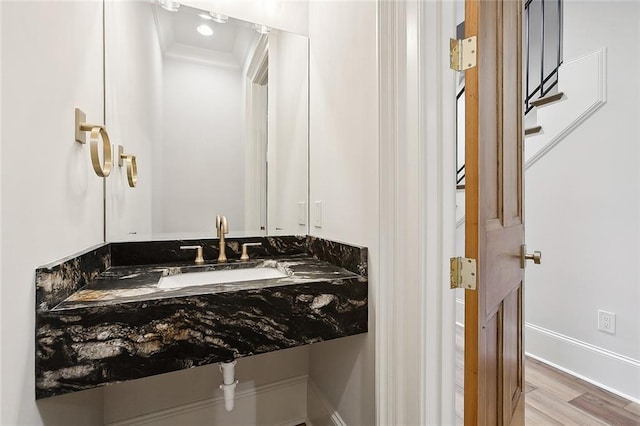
point(607, 322)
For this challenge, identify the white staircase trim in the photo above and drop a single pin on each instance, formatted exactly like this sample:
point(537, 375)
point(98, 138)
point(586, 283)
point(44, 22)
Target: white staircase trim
point(599, 100)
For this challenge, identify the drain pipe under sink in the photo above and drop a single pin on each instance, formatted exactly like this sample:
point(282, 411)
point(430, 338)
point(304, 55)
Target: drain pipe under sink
point(229, 383)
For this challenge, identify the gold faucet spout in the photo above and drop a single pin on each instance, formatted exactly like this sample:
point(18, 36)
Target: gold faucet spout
point(223, 228)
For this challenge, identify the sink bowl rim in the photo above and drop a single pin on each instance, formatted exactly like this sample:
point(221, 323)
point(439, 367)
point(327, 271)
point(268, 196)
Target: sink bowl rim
point(198, 277)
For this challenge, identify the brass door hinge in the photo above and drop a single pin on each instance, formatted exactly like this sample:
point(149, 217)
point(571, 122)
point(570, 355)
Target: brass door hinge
point(463, 53)
point(463, 273)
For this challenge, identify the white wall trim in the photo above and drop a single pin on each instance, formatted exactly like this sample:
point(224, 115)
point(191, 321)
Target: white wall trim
point(415, 335)
point(599, 100)
point(184, 409)
point(386, 404)
point(256, 69)
point(258, 66)
point(437, 117)
point(609, 370)
point(460, 312)
point(1, 141)
point(330, 411)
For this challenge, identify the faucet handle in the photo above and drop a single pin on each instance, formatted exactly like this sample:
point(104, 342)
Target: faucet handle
point(199, 257)
point(245, 255)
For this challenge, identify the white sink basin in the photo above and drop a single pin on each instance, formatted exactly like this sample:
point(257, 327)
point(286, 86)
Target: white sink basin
point(219, 277)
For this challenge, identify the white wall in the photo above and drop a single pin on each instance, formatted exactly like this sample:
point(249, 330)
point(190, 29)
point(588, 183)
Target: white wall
point(133, 113)
point(288, 132)
point(162, 395)
point(202, 147)
point(583, 212)
point(343, 147)
point(51, 198)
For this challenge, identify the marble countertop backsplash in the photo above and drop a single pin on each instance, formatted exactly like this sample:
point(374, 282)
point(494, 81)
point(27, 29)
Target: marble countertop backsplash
point(101, 317)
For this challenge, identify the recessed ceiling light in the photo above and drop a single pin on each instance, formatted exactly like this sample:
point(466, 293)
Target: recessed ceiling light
point(219, 17)
point(262, 29)
point(171, 6)
point(205, 30)
point(205, 16)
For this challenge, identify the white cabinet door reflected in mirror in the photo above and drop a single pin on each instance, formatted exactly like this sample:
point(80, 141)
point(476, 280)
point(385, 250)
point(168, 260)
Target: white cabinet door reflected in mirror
point(217, 116)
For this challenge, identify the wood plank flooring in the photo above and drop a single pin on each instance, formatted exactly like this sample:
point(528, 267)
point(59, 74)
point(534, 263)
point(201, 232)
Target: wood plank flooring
point(553, 397)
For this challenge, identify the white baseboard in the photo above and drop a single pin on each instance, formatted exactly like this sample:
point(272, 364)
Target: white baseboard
point(608, 370)
point(282, 403)
point(320, 412)
point(616, 373)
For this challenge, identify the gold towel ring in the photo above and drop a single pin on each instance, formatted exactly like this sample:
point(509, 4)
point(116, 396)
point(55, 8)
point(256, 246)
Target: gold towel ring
point(102, 169)
point(132, 166)
point(132, 171)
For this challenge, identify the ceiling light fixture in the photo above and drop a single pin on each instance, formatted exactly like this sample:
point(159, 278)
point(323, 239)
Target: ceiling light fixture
point(219, 17)
point(262, 29)
point(170, 5)
point(205, 30)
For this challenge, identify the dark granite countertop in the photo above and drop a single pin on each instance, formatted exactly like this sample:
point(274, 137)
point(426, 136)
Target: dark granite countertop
point(101, 316)
point(123, 284)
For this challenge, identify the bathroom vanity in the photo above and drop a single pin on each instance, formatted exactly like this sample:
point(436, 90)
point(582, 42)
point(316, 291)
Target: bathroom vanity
point(102, 317)
point(204, 121)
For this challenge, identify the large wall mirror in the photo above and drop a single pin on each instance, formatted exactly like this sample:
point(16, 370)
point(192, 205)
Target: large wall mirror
point(215, 110)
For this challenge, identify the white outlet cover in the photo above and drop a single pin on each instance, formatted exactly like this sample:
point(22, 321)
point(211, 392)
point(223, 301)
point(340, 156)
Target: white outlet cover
point(607, 322)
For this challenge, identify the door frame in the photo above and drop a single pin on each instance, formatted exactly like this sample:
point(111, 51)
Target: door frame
point(256, 216)
point(415, 318)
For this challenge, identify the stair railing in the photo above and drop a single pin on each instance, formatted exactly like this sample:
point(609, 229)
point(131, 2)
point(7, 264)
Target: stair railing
point(542, 55)
point(543, 47)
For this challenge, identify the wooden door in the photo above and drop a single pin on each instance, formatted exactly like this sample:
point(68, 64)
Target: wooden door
point(493, 377)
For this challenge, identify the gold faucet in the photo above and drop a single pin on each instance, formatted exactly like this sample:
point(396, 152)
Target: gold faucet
point(223, 228)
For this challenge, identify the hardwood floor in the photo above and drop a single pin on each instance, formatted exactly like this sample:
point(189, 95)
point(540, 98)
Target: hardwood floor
point(553, 397)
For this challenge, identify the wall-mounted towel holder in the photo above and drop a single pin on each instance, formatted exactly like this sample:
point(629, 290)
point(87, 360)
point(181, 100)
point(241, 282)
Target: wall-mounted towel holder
point(102, 169)
point(132, 166)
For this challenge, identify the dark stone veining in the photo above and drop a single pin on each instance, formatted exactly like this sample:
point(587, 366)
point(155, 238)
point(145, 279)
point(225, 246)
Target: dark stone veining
point(153, 252)
point(83, 348)
point(56, 282)
point(121, 326)
point(352, 258)
point(122, 284)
